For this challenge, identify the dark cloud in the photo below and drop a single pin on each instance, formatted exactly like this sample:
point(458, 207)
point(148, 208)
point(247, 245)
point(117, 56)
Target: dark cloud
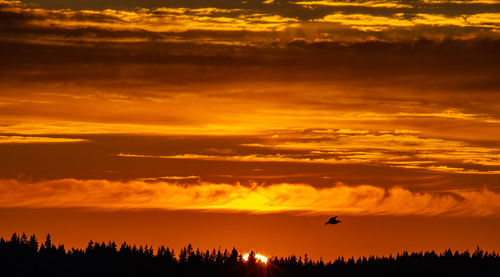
point(450, 65)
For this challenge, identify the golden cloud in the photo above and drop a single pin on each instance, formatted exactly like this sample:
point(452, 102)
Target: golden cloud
point(466, 2)
point(366, 22)
point(368, 4)
point(254, 198)
point(154, 20)
point(29, 139)
point(167, 23)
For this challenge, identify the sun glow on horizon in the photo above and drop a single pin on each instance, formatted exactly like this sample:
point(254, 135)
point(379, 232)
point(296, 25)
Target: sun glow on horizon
point(258, 257)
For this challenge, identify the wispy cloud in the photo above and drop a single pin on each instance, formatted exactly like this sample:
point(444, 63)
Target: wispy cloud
point(168, 178)
point(28, 139)
point(398, 148)
point(368, 4)
point(461, 2)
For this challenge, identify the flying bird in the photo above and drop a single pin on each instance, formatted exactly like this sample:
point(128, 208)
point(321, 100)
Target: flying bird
point(333, 220)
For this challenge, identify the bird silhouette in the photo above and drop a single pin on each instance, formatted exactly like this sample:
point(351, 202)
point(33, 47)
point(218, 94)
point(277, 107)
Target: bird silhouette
point(333, 220)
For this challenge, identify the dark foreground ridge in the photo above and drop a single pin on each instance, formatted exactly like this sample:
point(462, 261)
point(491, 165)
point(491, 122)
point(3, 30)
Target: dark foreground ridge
point(23, 256)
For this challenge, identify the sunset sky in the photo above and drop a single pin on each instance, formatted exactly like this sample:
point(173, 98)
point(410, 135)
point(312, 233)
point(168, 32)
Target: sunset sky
point(228, 123)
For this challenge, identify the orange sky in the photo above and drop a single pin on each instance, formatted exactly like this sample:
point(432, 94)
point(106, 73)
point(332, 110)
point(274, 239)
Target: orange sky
point(259, 119)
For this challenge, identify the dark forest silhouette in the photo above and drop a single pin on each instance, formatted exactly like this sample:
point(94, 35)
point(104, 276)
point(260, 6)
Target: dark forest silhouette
point(23, 256)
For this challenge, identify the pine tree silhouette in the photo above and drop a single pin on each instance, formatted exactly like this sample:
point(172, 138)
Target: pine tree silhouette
point(20, 256)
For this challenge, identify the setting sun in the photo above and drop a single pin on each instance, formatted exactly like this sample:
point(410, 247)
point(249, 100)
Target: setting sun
point(258, 257)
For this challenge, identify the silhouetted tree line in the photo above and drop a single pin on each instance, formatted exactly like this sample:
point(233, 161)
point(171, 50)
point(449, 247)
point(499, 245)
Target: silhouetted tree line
point(23, 256)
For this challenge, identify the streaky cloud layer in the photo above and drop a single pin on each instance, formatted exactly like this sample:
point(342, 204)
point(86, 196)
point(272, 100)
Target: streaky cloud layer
point(245, 25)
